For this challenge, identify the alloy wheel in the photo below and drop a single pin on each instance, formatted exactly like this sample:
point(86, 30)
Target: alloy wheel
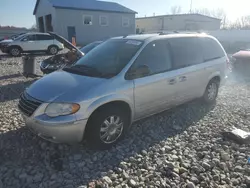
point(212, 91)
point(15, 52)
point(111, 129)
point(53, 50)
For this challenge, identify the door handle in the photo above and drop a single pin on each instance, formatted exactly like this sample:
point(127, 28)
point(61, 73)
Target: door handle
point(172, 81)
point(182, 78)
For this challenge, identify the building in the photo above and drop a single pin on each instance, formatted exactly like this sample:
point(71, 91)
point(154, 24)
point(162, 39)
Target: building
point(177, 22)
point(87, 20)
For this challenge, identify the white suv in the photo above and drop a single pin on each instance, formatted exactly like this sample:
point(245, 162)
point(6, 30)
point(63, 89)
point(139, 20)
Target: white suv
point(34, 42)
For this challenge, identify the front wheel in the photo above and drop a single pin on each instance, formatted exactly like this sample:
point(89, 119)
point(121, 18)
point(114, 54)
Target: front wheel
point(106, 127)
point(53, 50)
point(211, 92)
point(15, 51)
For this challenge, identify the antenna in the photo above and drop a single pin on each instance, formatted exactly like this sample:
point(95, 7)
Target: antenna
point(191, 5)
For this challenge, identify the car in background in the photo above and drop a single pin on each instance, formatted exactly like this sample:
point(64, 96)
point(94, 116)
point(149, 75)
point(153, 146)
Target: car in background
point(13, 37)
point(5, 41)
point(32, 42)
point(241, 62)
point(60, 60)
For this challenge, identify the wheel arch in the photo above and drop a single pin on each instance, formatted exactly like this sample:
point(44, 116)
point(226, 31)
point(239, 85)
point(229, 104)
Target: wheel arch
point(111, 100)
point(108, 101)
point(15, 46)
point(53, 45)
point(215, 75)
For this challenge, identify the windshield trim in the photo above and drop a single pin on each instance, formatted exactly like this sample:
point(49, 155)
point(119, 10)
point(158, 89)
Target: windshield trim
point(20, 37)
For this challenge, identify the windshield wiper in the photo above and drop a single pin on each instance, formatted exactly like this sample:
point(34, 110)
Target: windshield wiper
point(88, 71)
point(72, 70)
point(83, 69)
point(87, 68)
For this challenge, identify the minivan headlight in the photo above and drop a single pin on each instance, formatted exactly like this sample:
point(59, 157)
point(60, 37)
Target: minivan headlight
point(61, 109)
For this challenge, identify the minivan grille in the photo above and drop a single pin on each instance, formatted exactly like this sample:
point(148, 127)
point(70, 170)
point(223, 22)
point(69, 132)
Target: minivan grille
point(27, 104)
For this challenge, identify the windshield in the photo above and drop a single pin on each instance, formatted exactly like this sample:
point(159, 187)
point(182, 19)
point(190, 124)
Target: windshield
point(89, 47)
point(19, 37)
point(110, 57)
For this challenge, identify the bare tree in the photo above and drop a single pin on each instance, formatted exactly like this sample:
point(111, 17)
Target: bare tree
point(176, 10)
point(203, 11)
point(245, 22)
point(241, 23)
point(33, 27)
point(218, 13)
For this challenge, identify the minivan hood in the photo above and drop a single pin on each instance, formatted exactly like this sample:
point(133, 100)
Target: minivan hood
point(66, 43)
point(62, 86)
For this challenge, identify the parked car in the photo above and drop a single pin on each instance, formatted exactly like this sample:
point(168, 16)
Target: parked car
point(122, 80)
point(4, 43)
point(33, 42)
point(241, 62)
point(12, 37)
point(61, 60)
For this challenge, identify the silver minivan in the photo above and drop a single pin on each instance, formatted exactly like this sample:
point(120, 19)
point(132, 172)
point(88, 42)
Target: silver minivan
point(123, 80)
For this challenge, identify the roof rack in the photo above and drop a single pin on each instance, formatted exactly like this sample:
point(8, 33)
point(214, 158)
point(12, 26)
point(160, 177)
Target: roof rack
point(184, 32)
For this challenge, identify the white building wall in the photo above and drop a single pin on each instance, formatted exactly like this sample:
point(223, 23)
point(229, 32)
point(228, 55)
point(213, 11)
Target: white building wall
point(44, 8)
point(89, 33)
point(177, 22)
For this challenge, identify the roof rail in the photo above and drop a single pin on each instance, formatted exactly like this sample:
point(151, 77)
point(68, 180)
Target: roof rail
point(174, 32)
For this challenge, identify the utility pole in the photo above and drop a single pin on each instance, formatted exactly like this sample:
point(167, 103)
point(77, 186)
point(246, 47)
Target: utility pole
point(191, 4)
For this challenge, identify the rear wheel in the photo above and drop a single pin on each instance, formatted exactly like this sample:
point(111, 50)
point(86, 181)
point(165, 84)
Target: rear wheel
point(15, 51)
point(211, 92)
point(106, 127)
point(53, 50)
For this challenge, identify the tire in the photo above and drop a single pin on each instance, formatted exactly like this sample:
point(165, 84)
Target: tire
point(53, 50)
point(211, 91)
point(95, 137)
point(15, 51)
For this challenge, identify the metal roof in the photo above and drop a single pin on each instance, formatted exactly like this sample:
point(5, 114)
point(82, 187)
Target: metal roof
point(93, 5)
point(174, 15)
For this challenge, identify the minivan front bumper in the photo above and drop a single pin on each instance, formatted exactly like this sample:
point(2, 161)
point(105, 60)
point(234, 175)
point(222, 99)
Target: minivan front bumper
point(70, 131)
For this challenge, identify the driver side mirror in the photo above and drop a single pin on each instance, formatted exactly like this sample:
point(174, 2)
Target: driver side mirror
point(141, 71)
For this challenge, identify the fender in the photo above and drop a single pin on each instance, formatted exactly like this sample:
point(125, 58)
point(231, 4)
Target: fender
point(107, 99)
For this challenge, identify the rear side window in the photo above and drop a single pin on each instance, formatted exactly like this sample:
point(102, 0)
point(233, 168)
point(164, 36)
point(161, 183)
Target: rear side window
point(44, 37)
point(186, 52)
point(156, 56)
point(211, 49)
point(29, 38)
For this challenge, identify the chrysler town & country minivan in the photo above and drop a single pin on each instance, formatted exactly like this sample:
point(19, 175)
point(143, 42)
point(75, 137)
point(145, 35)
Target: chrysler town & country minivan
point(123, 80)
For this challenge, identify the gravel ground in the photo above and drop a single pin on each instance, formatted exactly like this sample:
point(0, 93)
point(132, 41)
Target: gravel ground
point(181, 147)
